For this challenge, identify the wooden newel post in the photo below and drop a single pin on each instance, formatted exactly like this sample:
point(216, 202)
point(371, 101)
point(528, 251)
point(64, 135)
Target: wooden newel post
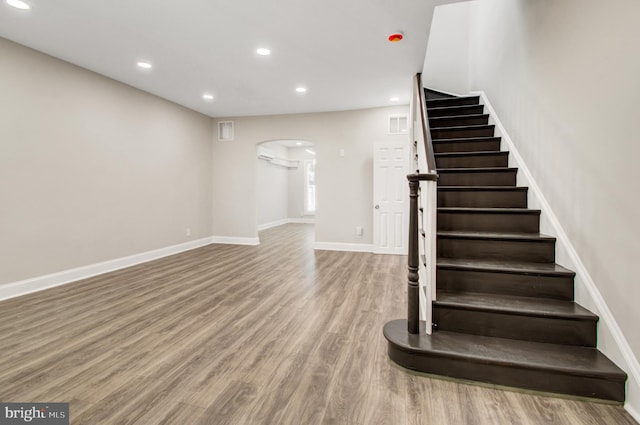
point(413, 298)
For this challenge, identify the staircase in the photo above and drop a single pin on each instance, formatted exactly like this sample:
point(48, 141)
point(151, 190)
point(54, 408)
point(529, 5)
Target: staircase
point(504, 312)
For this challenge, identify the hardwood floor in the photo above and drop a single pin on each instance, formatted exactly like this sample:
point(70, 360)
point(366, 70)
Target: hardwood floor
point(272, 334)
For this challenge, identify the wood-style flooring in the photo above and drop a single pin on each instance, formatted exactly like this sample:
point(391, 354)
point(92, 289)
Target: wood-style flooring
point(272, 334)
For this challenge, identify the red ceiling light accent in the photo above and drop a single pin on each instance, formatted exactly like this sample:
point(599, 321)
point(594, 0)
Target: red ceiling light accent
point(395, 37)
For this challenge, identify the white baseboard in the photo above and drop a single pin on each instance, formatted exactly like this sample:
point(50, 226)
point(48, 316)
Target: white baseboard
point(611, 340)
point(39, 283)
point(339, 246)
point(27, 286)
point(232, 240)
point(632, 403)
point(302, 220)
point(277, 223)
point(388, 251)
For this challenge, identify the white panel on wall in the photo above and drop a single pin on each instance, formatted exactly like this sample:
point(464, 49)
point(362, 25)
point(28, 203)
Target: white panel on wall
point(384, 225)
point(225, 131)
point(399, 230)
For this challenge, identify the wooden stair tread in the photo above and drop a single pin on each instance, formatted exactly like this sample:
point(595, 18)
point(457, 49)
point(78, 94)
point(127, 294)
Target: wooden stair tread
point(458, 116)
point(438, 94)
point(481, 188)
point(489, 210)
point(481, 196)
point(504, 266)
point(466, 127)
point(562, 359)
point(468, 139)
point(467, 154)
point(440, 107)
point(454, 111)
point(476, 170)
point(514, 305)
point(449, 100)
point(450, 108)
point(436, 123)
point(494, 235)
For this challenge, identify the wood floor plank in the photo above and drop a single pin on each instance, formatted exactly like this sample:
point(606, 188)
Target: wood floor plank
point(353, 374)
point(307, 404)
point(270, 334)
point(231, 406)
point(385, 401)
point(181, 413)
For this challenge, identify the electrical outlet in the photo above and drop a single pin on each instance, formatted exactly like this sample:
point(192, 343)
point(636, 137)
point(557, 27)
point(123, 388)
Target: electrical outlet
point(187, 231)
point(359, 231)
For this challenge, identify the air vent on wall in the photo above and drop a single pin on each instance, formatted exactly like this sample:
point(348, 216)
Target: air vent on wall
point(225, 131)
point(398, 124)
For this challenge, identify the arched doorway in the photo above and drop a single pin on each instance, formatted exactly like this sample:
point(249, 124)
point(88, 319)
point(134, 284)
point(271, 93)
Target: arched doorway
point(285, 182)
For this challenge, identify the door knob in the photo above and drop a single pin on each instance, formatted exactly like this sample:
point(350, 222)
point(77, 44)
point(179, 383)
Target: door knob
point(377, 207)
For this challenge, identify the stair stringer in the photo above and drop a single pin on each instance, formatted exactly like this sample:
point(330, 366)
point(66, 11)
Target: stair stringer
point(611, 340)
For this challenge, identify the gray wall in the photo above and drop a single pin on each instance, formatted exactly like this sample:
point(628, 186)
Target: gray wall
point(91, 169)
point(344, 183)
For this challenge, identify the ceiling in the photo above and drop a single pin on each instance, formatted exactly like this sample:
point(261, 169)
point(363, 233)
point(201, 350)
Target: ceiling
point(337, 49)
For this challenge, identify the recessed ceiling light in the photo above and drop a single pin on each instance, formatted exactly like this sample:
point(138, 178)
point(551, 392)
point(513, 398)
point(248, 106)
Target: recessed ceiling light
point(144, 65)
point(263, 51)
point(394, 99)
point(207, 96)
point(299, 143)
point(301, 89)
point(18, 4)
point(310, 151)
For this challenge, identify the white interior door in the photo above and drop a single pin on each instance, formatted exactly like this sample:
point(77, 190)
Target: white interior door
point(390, 197)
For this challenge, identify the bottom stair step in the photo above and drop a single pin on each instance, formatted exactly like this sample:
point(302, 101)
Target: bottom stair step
point(577, 371)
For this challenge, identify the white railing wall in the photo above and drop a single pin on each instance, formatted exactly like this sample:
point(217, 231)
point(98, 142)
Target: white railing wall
point(425, 175)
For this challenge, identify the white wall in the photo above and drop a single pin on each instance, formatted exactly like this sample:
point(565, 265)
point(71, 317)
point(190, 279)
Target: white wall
point(273, 186)
point(563, 78)
point(448, 49)
point(344, 185)
point(92, 169)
